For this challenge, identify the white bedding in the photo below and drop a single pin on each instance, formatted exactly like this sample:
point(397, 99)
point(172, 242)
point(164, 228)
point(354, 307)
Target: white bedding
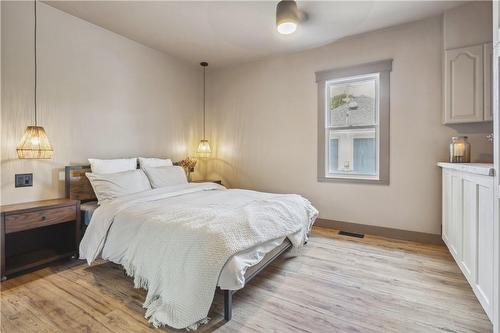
point(175, 241)
point(232, 276)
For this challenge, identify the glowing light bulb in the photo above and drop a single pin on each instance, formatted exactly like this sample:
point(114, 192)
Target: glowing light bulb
point(287, 28)
point(35, 141)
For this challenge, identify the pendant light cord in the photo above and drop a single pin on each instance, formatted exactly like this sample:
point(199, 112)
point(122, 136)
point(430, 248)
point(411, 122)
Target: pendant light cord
point(204, 102)
point(36, 68)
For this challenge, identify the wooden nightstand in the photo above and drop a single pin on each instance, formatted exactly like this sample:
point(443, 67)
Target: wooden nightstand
point(217, 181)
point(36, 233)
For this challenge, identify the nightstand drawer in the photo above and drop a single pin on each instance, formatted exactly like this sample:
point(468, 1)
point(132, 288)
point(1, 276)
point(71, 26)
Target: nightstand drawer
point(40, 218)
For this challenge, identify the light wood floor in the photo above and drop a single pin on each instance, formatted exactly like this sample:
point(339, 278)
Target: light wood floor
point(338, 284)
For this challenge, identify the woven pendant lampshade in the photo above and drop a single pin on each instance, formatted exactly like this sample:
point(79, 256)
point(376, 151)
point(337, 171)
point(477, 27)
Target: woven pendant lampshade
point(204, 147)
point(34, 144)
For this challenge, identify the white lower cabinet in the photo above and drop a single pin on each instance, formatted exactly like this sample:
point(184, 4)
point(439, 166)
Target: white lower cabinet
point(467, 229)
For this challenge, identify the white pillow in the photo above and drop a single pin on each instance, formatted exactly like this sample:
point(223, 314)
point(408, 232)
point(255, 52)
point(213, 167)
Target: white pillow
point(112, 166)
point(109, 186)
point(166, 176)
point(145, 162)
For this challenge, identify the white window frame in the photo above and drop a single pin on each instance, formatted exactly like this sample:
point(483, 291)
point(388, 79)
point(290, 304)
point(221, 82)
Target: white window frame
point(381, 70)
point(345, 174)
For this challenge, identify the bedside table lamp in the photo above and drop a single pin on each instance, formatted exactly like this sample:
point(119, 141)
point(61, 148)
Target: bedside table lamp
point(34, 144)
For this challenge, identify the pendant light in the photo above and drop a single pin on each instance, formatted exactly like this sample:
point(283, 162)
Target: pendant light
point(35, 143)
point(204, 147)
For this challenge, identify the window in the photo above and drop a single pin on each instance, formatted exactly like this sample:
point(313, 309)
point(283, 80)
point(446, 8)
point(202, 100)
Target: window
point(353, 138)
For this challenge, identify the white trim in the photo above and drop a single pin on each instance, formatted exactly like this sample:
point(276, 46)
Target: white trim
point(329, 127)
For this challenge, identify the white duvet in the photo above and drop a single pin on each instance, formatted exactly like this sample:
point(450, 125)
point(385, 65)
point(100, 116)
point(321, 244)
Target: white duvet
point(182, 237)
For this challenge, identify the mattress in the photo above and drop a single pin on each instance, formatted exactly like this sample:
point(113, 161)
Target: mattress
point(86, 210)
point(232, 276)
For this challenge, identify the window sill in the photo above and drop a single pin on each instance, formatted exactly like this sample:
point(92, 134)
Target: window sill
point(358, 180)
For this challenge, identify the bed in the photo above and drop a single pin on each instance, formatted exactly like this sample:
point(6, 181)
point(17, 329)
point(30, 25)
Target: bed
point(115, 240)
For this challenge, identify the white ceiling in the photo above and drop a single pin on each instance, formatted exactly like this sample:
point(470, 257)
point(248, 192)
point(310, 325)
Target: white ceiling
point(231, 32)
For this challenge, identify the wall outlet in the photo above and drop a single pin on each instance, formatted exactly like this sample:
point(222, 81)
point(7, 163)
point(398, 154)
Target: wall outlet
point(24, 179)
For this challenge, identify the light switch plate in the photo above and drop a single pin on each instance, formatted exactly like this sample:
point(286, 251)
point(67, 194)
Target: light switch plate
point(24, 179)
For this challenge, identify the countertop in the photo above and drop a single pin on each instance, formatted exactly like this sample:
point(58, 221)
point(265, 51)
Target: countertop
point(485, 169)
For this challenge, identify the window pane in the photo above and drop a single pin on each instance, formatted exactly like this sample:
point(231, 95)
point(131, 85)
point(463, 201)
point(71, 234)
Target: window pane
point(364, 156)
point(333, 157)
point(352, 151)
point(352, 102)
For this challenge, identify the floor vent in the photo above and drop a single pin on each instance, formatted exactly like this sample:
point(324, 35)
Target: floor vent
point(351, 234)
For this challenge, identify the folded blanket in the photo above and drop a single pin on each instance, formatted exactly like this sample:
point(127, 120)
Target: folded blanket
point(186, 235)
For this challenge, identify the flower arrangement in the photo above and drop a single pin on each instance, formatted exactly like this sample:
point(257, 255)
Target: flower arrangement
point(188, 165)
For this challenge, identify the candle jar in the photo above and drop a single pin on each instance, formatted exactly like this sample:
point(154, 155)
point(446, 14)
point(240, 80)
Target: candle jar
point(459, 150)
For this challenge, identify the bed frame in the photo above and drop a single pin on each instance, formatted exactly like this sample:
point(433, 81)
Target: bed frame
point(78, 187)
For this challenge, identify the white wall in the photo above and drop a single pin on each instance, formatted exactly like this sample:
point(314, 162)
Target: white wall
point(263, 121)
point(100, 95)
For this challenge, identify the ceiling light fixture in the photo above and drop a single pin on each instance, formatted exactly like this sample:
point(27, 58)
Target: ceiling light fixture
point(34, 144)
point(288, 17)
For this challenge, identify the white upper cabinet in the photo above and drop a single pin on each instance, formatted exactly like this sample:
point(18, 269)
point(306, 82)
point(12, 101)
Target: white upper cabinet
point(464, 85)
point(467, 41)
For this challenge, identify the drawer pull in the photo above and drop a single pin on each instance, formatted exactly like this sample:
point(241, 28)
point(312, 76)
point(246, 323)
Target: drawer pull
point(43, 218)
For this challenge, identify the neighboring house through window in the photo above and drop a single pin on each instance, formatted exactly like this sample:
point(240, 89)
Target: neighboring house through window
point(353, 138)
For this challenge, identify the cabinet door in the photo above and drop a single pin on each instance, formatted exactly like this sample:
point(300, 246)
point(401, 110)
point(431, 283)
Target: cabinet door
point(455, 228)
point(488, 68)
point(496, 225)
point(463, 82)
point(484, 279)
point(447, 195)
point(470, 225)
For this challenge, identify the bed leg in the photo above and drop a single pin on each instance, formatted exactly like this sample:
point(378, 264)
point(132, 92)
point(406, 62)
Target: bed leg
point(228, 304)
